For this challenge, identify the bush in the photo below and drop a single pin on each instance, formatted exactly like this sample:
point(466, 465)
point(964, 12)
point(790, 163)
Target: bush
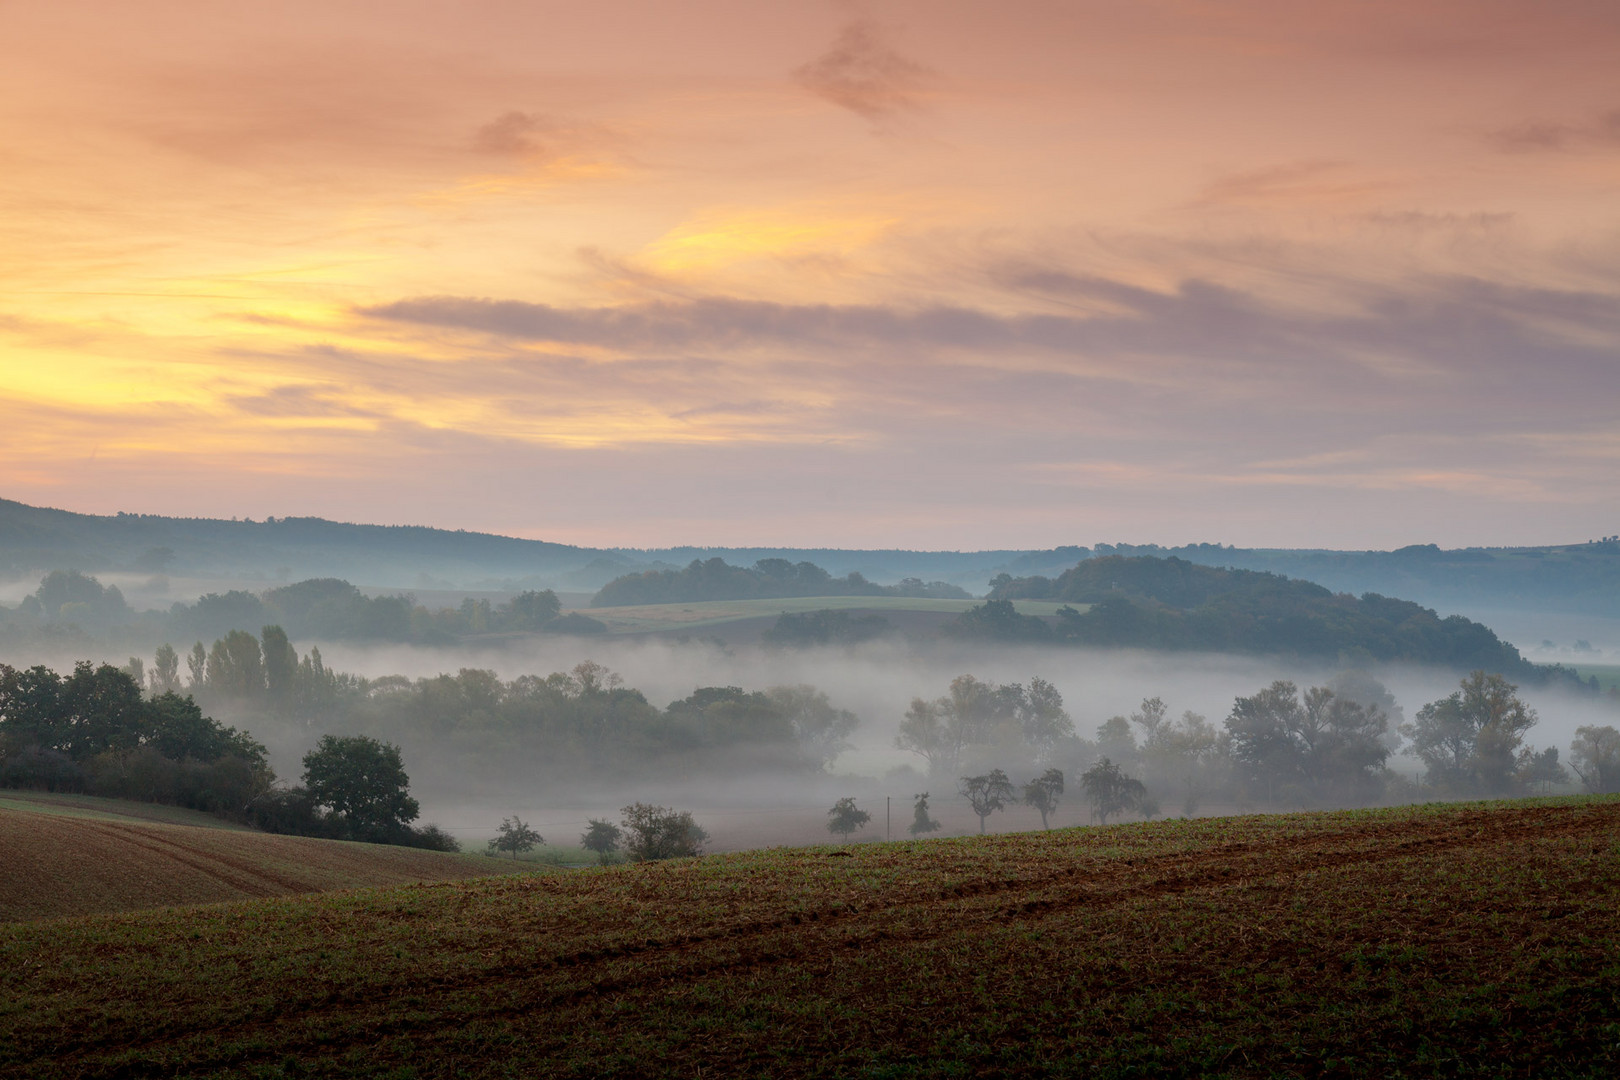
point(432, 838)
point(661, 832)
point(47, 770)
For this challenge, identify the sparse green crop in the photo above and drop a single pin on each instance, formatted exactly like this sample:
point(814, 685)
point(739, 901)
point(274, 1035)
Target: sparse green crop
point(1462, 940)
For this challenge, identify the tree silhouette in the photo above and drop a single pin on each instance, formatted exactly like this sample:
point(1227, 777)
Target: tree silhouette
point(1043, 792)
point(921, 822)
point(845, 817)
point(515, 836)
point(1110, 791)
point(987, 793)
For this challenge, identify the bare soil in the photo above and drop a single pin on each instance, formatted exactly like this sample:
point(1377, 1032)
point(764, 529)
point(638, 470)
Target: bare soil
point(56, 865)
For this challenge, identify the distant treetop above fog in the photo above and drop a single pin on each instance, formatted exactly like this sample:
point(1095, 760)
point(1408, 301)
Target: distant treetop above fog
point(715, 579)
point(1169, 603)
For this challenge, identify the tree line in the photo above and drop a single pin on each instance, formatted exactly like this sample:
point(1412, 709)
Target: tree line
point(1280, 746)
point(715, 579)
point(584, 719)
point(327, 608)
point(96, 731)
point(1172, 604)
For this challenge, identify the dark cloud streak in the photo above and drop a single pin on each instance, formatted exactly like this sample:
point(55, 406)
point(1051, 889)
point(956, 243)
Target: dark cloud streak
point(863, 73)
point(1466, 327)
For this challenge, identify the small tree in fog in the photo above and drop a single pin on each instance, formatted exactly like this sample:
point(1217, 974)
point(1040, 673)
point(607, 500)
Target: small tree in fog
point(602, 837)
point(1470, 740)
point(1110, 791)
point(920, 821)
point(514, 836)
point(661, 832)
point(1595, 757)
point(1043, 792)
point(987, 793)
point(845, 817)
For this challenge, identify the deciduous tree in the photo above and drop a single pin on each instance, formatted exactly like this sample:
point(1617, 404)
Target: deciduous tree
point(1595, 757)
point(661, 832)
point(514, 836)
point(845, 817)
point(1470, 740)
point(920, 821)
point(363, 781)
point(987, 793)
point(1110, 791)
point(1043, 793)
point(602, 837)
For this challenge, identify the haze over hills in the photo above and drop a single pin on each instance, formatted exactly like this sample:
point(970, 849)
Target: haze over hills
point(1582, 577)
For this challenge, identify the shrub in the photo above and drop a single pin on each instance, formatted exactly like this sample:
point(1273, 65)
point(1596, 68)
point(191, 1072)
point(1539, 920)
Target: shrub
point(661, 832)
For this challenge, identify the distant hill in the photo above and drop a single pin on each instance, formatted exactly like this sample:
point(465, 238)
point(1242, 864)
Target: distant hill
point(1577, 578)
point(1170, 603)
point(1581, 578)
point(715, 579)
point(36, 539)
point(63, 859)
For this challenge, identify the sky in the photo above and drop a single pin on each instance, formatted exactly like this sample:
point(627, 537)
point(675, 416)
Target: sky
point(941, 274)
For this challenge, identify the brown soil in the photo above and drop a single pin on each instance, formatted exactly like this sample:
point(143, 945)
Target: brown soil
point(57, 866)
point(554, 967)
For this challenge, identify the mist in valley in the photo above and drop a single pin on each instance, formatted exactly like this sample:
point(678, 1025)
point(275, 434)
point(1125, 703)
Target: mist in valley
point(468, 783)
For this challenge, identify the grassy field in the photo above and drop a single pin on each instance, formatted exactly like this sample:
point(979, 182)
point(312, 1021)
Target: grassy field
point(1461, 940)
point(697, 615)
point(1608, 675)
point(60, 858)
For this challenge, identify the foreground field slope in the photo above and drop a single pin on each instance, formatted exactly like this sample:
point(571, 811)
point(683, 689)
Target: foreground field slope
point(1445, 940)
point(89, 863)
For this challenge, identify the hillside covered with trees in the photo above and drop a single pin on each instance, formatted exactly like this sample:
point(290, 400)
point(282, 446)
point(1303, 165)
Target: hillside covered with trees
point(1170, 603)
point(715, 579)
point(326, 608)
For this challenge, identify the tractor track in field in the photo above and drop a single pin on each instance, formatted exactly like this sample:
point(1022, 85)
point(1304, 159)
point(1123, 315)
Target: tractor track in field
point(904, 921)
point(237, 873)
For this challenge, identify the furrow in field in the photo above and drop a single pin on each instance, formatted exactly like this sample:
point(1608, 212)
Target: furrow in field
point(615, 965)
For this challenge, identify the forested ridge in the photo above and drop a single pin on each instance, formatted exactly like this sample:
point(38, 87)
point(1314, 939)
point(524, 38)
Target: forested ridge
point(1170, 603)
point(715, 579)
point(326, 608)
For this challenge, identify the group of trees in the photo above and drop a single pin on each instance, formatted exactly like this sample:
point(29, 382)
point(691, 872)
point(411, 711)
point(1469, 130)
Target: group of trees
point(1323, 746)
point(582, 718)
point(825, 628)
point(715, 579)
point(334, 610)
point(645, 833)
point(97, 731)
point(325, 608)
point(979, 721)
point(994, 790)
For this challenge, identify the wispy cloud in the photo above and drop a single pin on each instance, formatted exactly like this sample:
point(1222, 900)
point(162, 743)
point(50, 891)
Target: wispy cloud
point(535, 136)
point(1540, 136)
point(864, 73)
point(1292, 182)
point(1443, 325)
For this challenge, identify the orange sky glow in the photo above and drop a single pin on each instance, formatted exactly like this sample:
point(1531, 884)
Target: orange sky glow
point(905, 274)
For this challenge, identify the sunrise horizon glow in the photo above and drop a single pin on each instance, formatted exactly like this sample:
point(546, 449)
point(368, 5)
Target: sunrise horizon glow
point(931, 276)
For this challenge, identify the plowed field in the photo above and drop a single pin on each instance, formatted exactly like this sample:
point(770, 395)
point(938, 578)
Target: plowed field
point(52, 865)
point(1478, 940)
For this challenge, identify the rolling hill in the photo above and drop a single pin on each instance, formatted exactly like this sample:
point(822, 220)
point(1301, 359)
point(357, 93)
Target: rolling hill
point(1580, 577)
point(1441, 940)
point(85, 856)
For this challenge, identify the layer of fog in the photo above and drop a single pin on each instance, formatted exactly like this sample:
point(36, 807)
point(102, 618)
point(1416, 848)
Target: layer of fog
point(877, 682)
